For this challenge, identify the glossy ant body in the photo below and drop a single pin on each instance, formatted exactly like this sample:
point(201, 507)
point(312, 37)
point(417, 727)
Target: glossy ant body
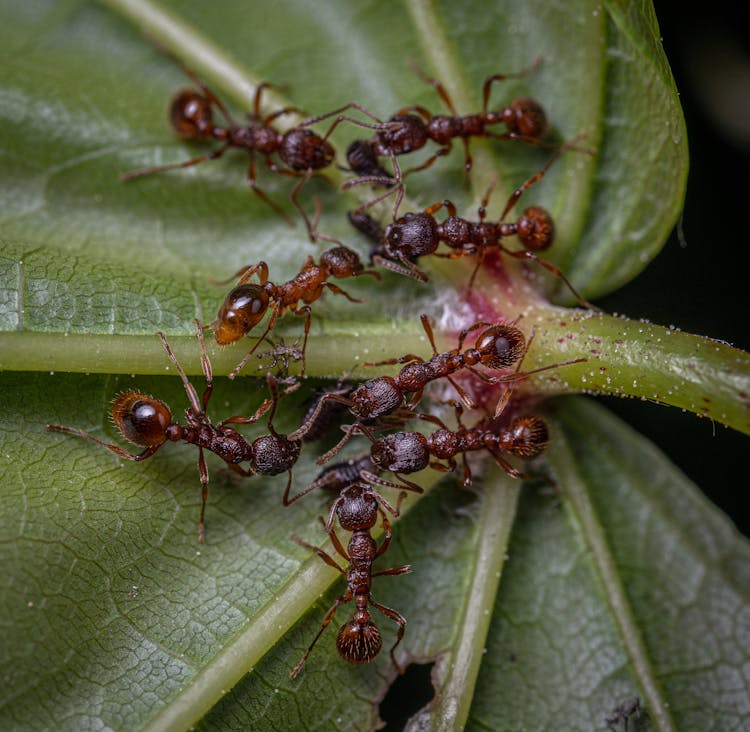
point(418, 234)
point(497, 346)
point(405, 132)
point(358, 640)
point(247, 303)
point(300, 150)
point(409, 452)
point(148, 423)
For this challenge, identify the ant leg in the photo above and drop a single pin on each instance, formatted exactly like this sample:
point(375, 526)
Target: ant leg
point(501, 77)
point(513, 199)
point(326, 620)
point(147, 453)
point(423, 112)
point(280, 113)
point(319, 483)
point(192, 395)
point(311, 227)
point(245, 274)
point(240, 419)
point(442, 152)
point(308, 316)
point(399, 620)
point(141, 172)
point(556, 271)
point(480, 261)
point(336, 290)
point(408, 270)
point(343, 118)
point(327, 558)
point(271, 322)
point(506, 466)
point(439, 88)
point(303, 429)
point(206, 365)
point(403, 484)
point(251, 182)
point(203, 475)
point(408, 358)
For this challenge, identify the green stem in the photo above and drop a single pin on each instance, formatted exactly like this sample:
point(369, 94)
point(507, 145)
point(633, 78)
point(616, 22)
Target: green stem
point(453, 703)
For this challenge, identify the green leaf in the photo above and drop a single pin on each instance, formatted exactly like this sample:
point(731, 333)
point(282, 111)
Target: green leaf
point(114, 616)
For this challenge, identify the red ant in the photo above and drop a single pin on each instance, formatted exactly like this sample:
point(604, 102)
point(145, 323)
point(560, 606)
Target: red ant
point(247, 303)
point(358, 640)
point(148, 423)
point(403, 133)
point(417, 234)
point(498, 346)
point(302, 151)
point(410, 452)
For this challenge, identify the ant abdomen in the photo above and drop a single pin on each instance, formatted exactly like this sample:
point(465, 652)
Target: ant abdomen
point(141, 419)
point(302, 149)
point(526, 437)
point(501, 346)
point(190, 114)
point(535, 229)
point(401, 452)
point(524, 116)
point(359, 640)
point(243, 308)
point(274, 454)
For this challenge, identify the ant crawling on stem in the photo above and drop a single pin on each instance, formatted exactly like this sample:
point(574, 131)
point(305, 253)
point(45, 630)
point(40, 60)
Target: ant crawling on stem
point(148, 423)
point(358, 640)
point(247, 303)
point(300, 150)
point(498, 346)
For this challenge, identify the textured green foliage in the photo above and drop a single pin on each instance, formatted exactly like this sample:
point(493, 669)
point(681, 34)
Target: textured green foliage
point(623, 583)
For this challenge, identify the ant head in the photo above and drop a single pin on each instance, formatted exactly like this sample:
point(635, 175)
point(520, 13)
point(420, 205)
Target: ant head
point(535, 229)
point(141, 419)
point(401, 134)
point(341, 262)
point(401, 452)
point(274, 454)
point(190, 114)
point(411, 236)
point(501, 346)
point(527, 436)
point(242, 308)
point(376, 397)
point(359, 640)
point(525, 117)
point(358, 508)
point(302, 149)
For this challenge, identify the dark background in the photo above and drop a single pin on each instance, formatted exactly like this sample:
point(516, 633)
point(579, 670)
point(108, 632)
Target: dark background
point(700, 284)
point(699, 280)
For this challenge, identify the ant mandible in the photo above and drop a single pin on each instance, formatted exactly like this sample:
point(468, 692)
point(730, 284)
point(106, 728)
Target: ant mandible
point(148, 423)
point(247, 303)
point(302, 151)
point(358, 640)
